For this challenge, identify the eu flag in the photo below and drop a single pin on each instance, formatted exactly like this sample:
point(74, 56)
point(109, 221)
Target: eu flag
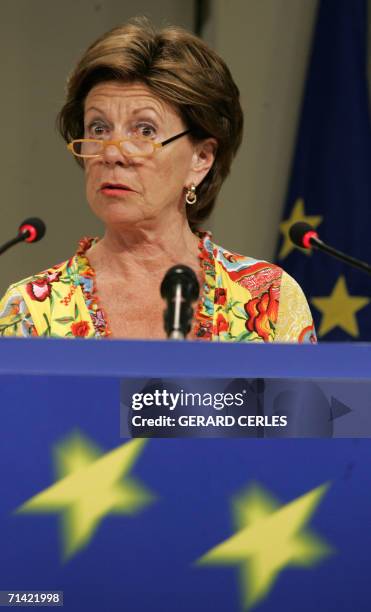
point(221, 525)
point(330, 185)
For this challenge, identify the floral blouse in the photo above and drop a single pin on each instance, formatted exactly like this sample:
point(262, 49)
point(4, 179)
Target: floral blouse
point(241, 300)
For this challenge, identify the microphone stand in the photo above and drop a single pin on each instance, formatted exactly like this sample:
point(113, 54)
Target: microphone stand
point(177, 332)
point(352, 261)
point(179, 288)
point(20, 238)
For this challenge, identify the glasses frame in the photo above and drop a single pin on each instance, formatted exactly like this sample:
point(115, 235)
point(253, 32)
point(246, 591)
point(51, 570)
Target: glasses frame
point(117, 143)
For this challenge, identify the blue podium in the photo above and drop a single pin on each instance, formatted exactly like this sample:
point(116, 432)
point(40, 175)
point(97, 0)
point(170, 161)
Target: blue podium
point(203, 522)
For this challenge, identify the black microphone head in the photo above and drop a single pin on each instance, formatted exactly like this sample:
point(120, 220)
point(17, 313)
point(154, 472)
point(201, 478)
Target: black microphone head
point(183, 275)
point(298, 231)
point(34, 227)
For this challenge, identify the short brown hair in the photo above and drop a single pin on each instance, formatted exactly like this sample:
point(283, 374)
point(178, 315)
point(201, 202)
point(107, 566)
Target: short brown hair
point(181, 69)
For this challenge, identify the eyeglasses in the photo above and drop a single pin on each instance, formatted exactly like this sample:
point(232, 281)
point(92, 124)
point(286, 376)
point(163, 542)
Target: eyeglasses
point(136, 146)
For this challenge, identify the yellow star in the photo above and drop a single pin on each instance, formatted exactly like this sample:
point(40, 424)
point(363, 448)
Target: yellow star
point(339, 309)
point(297, 214)
point(90, 486)
point(268, 539)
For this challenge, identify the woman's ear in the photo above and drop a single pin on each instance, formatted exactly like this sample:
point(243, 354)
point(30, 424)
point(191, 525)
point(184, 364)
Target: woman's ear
point(202, 159)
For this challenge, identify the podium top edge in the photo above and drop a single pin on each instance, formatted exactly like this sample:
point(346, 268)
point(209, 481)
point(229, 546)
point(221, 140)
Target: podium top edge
point(197, 359)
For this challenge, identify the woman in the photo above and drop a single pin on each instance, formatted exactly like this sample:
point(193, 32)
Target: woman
point(154, 119)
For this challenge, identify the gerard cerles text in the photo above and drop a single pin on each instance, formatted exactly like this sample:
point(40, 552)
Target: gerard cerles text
point(170, 410)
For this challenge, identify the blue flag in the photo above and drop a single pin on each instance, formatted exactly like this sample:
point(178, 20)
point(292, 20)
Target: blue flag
point(221, 525)
point(330, 185)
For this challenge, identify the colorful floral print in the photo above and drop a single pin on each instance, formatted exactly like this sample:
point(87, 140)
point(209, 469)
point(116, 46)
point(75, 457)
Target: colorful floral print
point(241, 300)
point(80, 329)
point(220, 296)
point(262, 315)
point(40, 289)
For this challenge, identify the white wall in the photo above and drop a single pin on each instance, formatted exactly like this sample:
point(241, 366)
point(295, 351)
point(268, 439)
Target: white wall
point(266, 45)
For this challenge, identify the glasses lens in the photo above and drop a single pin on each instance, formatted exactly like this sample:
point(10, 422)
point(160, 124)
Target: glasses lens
point(137, 146)
point(86, 148)
point(133, 147)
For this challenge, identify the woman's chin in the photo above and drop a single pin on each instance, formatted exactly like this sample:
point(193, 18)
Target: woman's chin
point(114, 212)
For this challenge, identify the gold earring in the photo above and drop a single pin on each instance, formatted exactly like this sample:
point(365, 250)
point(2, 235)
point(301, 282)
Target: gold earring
point(191, 196)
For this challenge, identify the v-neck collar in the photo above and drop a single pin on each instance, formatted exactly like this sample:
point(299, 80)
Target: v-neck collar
point(85, 276)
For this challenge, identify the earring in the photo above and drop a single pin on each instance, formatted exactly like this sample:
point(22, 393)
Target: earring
point(191, 196)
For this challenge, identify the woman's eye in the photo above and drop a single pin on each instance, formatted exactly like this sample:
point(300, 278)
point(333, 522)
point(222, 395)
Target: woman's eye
point(146, 130)
point(96, 129)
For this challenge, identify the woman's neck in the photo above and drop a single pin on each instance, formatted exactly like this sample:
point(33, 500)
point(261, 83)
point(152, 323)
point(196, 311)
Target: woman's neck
point(146, 248)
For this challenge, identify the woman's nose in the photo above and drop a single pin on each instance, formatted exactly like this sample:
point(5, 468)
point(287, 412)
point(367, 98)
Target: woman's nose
point(112, 154)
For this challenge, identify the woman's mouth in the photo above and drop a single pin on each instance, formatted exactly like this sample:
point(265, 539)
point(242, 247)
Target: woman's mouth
point(114, 189)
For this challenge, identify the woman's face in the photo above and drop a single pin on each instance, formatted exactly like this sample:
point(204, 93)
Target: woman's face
point(154, 185)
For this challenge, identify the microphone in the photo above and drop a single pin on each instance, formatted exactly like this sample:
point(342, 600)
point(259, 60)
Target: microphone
point(305, 236)
point(179, 288)
point(30, 230)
